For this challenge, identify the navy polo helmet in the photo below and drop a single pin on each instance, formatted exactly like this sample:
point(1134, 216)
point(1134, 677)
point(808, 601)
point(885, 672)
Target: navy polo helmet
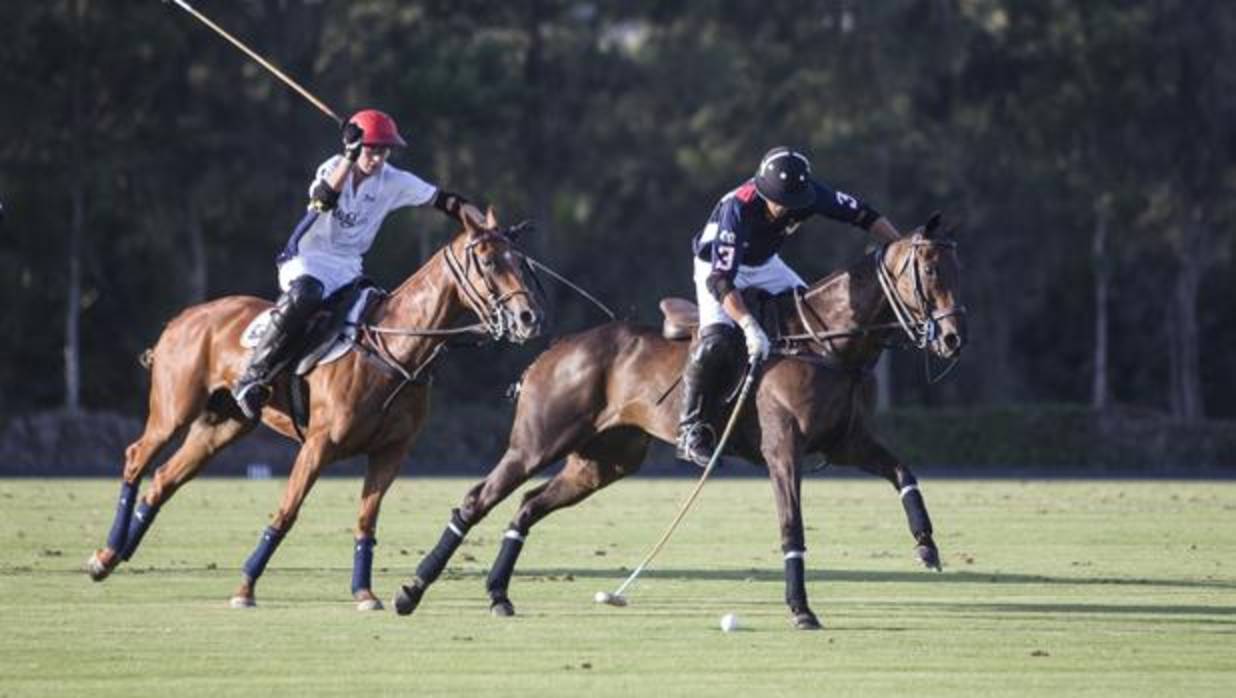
point(784, 178)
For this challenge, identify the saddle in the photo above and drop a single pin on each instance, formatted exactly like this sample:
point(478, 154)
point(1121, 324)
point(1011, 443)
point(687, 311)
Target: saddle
point(331, 333)
point(682, 317)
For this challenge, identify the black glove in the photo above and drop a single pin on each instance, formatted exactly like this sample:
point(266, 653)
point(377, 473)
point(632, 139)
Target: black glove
point(353, 137)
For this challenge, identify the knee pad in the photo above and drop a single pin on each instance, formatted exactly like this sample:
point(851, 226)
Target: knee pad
point(718, 343)
point(305, 290)
point(301, 300)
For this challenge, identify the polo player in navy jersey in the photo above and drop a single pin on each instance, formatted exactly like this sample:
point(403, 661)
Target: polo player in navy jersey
point(737, 249)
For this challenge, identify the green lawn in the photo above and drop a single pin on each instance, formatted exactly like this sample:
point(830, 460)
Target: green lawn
point(1079, 588)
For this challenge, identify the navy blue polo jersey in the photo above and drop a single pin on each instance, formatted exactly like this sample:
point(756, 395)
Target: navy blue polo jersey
point(739, 231)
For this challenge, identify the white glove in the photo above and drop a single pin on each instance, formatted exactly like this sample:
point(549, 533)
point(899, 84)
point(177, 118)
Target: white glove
point(757, 341)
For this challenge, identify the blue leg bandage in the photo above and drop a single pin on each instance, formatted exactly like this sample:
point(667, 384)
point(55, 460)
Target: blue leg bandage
point(256, 564)
point(124, 513)
point(362, 564)
point(138, 525)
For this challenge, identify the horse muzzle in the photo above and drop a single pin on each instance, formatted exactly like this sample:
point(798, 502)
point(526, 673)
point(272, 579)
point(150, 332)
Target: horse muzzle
point(525, 324)
point(950, 335)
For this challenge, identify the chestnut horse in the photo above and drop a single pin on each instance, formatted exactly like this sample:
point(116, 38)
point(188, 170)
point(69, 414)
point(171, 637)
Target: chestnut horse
point(597, 398)
point(364, 403)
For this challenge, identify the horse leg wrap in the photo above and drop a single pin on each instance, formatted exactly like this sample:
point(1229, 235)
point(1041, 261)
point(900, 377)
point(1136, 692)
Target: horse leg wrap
point(916, 509)
point(433, 563)
point(362, 564)
point(504, 565)
point(795, 584)
point(256, 564)
point(124, 515)
point(138, 525)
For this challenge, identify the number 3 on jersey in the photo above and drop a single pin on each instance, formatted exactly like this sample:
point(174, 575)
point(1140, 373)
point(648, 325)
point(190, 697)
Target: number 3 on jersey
point(724, 260)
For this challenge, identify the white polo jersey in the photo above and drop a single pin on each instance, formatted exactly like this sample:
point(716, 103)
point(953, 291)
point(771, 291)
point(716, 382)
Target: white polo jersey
point(331, 245)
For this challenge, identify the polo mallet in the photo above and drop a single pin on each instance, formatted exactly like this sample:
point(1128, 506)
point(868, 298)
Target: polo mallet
point(616, 598)
point(262, 61)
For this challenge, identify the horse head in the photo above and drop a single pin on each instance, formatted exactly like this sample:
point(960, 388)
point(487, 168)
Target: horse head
point(921, 278)
point(492, 278)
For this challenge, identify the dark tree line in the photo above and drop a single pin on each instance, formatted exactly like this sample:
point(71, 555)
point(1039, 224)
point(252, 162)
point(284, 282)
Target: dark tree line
point(1087, 152)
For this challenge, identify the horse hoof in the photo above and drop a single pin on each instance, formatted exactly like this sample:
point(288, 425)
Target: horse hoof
point(409, 596)
point(502, 608)
point(929, 556)
point(97, 568)
point(366, 601)
point(369, 605)
point(242, 602)
point(805, 620)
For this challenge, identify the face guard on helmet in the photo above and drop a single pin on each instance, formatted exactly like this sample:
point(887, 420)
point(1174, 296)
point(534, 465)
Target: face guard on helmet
point(784, 178)
point(380, 129)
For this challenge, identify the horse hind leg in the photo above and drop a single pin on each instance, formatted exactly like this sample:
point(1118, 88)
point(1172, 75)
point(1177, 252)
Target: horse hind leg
point(513, 470)
point(604, 462)
point(862, 451)
point(210, 433)
point(166, 421)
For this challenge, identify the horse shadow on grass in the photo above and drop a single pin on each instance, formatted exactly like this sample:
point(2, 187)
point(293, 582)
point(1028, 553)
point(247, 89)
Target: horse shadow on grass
point(617, 574)
point(870, 576)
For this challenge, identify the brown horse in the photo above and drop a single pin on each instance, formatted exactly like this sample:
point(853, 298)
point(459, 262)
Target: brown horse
point(364, 403)
point(597, 398)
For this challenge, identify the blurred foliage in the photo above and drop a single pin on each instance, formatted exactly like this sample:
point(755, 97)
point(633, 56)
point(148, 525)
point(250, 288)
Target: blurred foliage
point(617, 126)
point(1061, 439)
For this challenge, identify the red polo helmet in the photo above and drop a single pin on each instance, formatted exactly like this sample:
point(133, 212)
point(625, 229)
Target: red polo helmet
point(380, 129)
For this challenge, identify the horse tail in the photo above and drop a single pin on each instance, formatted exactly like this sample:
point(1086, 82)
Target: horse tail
point(146, 358)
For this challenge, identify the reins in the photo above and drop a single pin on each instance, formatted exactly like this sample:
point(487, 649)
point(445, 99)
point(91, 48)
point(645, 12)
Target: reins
point(537, 264)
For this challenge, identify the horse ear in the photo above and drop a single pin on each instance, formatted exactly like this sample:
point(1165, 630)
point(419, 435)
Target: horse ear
point(933, 224)
point(491, 221)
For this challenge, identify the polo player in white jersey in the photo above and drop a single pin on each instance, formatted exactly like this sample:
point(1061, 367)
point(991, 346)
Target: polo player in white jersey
point(348, 199)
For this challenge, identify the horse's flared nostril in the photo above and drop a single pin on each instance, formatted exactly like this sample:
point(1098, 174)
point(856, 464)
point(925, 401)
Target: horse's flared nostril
point(527, 318)
point(952, 341)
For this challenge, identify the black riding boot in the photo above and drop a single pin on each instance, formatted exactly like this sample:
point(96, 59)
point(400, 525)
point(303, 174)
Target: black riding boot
point(292, 312)
point(701, 378)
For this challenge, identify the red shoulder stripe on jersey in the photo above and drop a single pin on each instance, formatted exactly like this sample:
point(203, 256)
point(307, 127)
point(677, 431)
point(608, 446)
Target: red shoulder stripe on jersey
point(746, 193)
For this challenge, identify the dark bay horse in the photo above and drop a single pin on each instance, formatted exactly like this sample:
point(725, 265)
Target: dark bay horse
point(598, 398)
point(362, 403)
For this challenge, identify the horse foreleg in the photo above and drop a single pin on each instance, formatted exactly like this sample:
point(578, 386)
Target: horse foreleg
point(305, 471)
point(783, 453)
point(579, 479)
point(382, 470)
point(862, 451)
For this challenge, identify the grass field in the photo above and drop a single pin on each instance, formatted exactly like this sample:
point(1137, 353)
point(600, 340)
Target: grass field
point(1063, 588)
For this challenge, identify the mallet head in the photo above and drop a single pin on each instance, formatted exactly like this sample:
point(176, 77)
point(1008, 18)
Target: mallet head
point(611, 599)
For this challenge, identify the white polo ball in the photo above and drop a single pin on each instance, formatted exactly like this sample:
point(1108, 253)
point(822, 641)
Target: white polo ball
point(729, 623)
point(601, 597)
